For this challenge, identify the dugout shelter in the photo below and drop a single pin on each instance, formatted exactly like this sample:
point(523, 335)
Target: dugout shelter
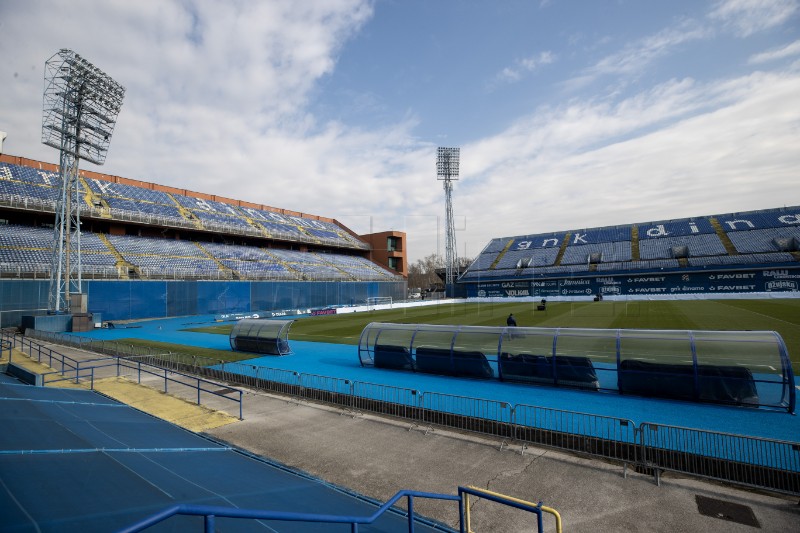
point(746, 368)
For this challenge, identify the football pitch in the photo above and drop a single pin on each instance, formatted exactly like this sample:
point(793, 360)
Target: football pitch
point(781, 315)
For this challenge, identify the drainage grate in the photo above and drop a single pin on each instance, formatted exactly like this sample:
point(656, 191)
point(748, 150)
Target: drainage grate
point(732, 512)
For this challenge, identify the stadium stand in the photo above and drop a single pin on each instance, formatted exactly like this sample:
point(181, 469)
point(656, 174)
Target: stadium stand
point(766, 238)
point(606, 252)
point(177, 238)
point(692, 245)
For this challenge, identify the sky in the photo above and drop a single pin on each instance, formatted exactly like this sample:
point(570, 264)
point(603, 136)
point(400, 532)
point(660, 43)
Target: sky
point(568, 114)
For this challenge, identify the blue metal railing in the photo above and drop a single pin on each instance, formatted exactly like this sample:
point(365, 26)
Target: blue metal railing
point(73, 370)
point(210, 513)
point(5, 346)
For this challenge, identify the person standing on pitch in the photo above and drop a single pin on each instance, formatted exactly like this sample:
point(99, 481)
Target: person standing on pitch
point(511, 321)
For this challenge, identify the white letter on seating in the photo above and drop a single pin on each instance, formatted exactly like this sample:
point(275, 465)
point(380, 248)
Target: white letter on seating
point(732, 223)
point(787, 219)
point(523, 245)
point(658, 231)
point(693, 227)
point(104, 186)
point(202, 204)
point(554, 241)
point(579, 237)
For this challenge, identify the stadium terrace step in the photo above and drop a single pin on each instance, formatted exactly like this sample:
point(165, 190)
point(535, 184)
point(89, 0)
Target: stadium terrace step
point(634, 243)
point(123, 266)
point(562, 250)
point(726, 241)
point(501, 254)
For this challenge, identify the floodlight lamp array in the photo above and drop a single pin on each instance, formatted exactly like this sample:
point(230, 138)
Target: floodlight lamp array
point(447, 163)
point(81, 105)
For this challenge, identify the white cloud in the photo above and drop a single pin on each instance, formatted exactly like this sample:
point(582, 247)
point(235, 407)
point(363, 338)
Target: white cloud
point(746, 17)
point(218, 95)
point(524, 66)
point(684, 147)
point(636, 56)
point(789, 50)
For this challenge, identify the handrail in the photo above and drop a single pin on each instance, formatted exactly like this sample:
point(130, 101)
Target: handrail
point(210, 512)
point(508, 500)
point(138, 366)
point(5, 346)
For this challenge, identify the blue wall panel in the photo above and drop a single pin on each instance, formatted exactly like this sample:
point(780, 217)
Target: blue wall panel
point(111, 298)
point(135, 299)
point(125, 300)
point(217, 297)
point(181, 298)
point(23, 294)
point(148, 298)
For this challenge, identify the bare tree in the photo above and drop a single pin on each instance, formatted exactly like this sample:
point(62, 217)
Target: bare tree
point(424, 273)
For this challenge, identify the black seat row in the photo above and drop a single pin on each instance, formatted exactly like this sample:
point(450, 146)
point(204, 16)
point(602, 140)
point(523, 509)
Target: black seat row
point(572, 371)
point(719, 384)
point(433, 361)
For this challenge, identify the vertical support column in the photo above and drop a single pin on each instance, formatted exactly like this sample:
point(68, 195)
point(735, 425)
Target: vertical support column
point(447, 163)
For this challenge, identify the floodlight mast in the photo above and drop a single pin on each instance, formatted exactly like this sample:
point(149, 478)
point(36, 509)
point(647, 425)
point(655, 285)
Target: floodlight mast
point(447, 160)
point(81, 104)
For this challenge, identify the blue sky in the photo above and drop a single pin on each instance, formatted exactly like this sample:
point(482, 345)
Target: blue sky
point(569, 114)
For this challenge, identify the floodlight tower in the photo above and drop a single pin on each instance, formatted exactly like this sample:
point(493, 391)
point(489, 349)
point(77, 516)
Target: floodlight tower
point(81, 104)
point(447, 171)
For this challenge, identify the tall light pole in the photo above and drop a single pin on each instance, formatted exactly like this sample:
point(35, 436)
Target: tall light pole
point(81, 104)
point(447, 171)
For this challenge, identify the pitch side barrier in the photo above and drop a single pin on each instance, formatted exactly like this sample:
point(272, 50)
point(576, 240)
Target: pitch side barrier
point(768, 464)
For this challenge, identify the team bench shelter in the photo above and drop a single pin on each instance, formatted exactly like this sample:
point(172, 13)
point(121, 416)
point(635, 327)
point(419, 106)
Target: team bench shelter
point(748, 368)
point(260, 335)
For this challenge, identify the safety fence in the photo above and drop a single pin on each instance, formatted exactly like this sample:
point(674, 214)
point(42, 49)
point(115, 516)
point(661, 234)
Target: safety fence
point(749, 461)
point(68, 369)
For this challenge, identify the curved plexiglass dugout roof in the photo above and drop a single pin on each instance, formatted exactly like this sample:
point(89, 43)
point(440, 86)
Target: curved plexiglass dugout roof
point(261, 335)
point(749, 368)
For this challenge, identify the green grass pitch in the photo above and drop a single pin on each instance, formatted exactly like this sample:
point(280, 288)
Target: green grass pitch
point(781, 315)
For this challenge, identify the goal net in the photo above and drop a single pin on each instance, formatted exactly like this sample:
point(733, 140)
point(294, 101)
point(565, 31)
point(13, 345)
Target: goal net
point(379, 302)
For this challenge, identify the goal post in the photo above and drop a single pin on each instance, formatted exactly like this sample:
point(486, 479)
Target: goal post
point(379, 302)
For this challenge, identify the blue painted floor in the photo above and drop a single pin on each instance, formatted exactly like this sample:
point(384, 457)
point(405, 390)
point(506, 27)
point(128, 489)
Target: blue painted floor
point(341, 361)
point(73, 460)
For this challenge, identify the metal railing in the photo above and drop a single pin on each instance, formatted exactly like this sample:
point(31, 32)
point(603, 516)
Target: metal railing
point(537, 509)
point(490, 417)
point(744, 460)
point(210, 513)
point(749, 461)
point(5, 349)
point(596, 435)
point(66, 368)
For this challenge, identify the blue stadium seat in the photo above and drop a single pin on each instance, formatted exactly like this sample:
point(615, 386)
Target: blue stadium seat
point(697, 245)
point(765, 240)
